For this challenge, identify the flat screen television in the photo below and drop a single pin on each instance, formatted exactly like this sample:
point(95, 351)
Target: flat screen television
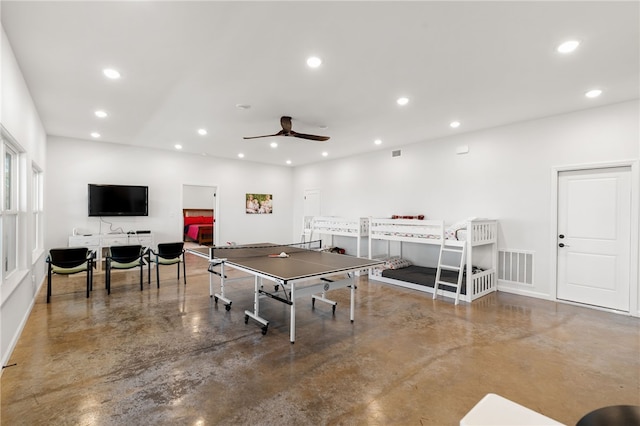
point(118, 200)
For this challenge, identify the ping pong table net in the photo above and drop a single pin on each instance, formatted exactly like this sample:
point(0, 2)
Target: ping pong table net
point(262, 250)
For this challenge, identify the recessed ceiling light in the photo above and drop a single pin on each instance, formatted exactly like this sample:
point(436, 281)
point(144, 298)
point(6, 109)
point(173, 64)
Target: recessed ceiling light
point(202, 132)
point(593, 93)
point(241, 155)
point(95, 135)
point(314, 62)
point(402, 101)
point(111, 73)
point(288, 161)
point(100, 114)
point(454, 124)
point(568, 46)
point(324, 154)
point(243, 106)
point(178, 146)
point(377, 141)
point(274, 144)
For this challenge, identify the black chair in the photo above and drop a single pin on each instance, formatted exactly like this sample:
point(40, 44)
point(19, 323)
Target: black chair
point(168, 254)
point(68, 261)
point(124, 257)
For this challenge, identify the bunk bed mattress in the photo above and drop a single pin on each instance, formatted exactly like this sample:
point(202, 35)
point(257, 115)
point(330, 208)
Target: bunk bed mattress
point(425, 276)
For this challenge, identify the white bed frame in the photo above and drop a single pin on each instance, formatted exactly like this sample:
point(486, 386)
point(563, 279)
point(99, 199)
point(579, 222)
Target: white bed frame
point(357, 228)
point(478, 233)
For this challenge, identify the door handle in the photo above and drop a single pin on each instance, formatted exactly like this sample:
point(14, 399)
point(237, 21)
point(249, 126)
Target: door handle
point(561, 236)
point(563, 245)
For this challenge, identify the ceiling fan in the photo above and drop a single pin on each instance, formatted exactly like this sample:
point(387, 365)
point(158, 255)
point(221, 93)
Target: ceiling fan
point(285, 122)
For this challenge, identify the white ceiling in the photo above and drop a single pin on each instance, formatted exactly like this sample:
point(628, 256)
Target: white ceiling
point(186, 65)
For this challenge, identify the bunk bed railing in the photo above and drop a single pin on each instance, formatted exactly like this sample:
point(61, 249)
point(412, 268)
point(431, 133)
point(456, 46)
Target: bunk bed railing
point(483, 231)
point(406, 229)
point(483, 283)
point(340, 225)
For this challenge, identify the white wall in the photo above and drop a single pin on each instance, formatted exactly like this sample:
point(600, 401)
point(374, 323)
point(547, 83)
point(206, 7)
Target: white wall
point(19, 117)
point(506, 175)
point(72, 164)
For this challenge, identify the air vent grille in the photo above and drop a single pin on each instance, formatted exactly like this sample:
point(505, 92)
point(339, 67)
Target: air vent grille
point(515, 266)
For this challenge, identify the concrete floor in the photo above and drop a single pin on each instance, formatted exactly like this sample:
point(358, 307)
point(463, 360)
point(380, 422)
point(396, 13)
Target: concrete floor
point(172, 356)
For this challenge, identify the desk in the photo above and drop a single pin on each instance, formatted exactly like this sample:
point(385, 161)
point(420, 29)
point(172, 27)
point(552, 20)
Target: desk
point(303, 271)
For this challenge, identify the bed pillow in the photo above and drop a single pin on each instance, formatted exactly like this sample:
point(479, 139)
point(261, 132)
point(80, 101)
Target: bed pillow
point(396, 263)
point(389, 263)
point(451, 233)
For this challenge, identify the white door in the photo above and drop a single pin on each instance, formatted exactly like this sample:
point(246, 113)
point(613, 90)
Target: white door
point(594, 224)
point(310, 208)
point(311, 202)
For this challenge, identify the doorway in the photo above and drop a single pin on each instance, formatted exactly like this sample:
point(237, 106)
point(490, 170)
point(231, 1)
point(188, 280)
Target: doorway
point(205, 198)
point(594, 237)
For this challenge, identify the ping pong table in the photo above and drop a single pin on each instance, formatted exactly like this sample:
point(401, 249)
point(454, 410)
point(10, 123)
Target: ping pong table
point(296, 270)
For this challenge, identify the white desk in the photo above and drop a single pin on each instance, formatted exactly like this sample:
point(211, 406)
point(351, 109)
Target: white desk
point(494, 410)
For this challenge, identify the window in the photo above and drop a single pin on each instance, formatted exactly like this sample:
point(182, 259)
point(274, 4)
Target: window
point(9, 204)
point(37, 203)
point(9, 209)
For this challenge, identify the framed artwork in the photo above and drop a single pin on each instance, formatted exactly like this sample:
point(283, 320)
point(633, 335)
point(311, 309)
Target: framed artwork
point(259, 203)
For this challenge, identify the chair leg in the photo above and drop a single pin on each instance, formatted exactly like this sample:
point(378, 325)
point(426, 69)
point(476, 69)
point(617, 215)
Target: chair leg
point(148, 269)
point(107, 276)
point(157, 272)
point(88, 282)
point(49, 284)
point(184, 270)
point(141, 273)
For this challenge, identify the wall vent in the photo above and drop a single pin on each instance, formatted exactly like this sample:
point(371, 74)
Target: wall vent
point(396, 153)
point(515, 266)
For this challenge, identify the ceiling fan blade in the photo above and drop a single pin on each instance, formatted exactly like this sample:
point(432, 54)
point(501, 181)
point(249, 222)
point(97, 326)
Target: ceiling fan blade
point(280, 133)
point(285, 122)
point(310, 137)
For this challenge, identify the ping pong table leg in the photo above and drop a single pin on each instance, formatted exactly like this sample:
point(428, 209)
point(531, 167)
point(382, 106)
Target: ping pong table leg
point(256, 295)
point(210, 285)
point(256, 307)
point(221, 296)
point(353, 298)
point(292, 326)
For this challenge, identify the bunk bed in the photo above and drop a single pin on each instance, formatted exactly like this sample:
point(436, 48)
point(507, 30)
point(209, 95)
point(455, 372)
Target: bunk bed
point(357, 228)
point(198, 225)
point(473, 234)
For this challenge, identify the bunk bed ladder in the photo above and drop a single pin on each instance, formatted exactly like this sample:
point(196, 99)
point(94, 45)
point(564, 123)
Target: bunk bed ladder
point(456, 248)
